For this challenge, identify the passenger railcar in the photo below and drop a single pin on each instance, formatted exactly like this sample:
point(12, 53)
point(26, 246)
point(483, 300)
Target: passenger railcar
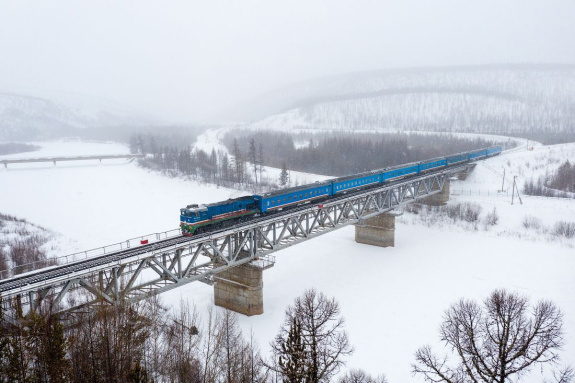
point(357, 181)
point(280, 199)
point(493, 151)
point(477, 154)
point(195, 218)
point(398, 172)
point(457, 158)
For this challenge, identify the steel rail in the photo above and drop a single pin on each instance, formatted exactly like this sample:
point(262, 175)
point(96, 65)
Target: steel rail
point(228, 247)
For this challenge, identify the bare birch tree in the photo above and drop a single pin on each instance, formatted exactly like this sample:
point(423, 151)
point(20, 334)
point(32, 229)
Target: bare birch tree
point(498, 342)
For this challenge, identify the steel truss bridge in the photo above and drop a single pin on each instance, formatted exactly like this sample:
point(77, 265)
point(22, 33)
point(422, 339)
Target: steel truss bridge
point(136, 273)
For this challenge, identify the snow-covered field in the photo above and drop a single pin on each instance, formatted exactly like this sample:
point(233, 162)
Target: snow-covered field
point(392, 298)
point(94, 204)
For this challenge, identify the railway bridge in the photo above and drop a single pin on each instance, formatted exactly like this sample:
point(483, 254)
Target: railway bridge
point(231, 259)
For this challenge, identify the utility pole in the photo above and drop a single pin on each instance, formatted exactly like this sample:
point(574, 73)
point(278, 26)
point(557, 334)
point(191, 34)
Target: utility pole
point(515, 189)
point(503, 183)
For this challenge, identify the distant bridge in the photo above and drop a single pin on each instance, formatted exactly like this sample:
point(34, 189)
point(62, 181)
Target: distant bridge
point(54, 160)
point(232, 259)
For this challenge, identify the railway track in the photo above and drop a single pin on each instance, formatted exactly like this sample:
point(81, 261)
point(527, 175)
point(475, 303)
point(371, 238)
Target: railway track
point(53, 272)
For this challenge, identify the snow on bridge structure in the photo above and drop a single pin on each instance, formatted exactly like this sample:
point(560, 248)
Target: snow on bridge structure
point(231, 259)
point(54, 160)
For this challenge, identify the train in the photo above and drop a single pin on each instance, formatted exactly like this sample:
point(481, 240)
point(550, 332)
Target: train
point(196, 218)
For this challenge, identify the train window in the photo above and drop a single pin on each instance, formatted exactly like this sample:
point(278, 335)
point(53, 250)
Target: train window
point(268, 203)
point(300, 196)
point(285, 200)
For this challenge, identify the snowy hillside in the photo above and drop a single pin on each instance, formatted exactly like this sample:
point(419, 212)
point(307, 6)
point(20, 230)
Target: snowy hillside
point(392, 298)
point(485, 99)
point(26, 117)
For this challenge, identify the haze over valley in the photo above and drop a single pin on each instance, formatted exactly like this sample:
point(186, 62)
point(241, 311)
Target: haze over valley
point(180, 148)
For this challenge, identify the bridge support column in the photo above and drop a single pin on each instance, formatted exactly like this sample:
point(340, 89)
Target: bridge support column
point(376, 231)
point(240, 289)
point(440, 198)
point(462, 176)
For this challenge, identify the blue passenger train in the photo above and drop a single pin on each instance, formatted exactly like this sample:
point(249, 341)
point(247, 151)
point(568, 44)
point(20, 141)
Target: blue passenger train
point(198, 218)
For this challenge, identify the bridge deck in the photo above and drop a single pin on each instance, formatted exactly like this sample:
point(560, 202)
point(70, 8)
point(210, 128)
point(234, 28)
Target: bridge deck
point(71, 158)
point(138, 272)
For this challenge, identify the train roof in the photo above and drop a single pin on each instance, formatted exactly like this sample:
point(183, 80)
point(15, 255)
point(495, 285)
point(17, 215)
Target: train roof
point(294, 189)
point(401, 166)
point(431, 160)
point(360, 175)
point(226, 202)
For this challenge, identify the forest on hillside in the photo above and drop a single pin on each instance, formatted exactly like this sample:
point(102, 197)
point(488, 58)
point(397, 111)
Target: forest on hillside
point(338, 154)
point(534, 102)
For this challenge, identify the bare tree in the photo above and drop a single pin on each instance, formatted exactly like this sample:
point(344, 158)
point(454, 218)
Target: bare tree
point(212, 348)
point(180, 358)
point(316, 320)
point(498, 342)
point(360, 376)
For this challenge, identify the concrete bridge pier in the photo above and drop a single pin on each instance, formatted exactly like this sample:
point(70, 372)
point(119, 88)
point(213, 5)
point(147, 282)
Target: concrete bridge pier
point(462, 176)
point(376, 231)
point(440, 198)
point(240, 289)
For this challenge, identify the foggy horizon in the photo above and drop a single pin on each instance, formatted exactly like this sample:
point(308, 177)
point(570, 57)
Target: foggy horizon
point(191, 61)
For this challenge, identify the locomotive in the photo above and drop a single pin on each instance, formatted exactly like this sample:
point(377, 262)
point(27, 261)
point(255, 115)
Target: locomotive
point(198, 218)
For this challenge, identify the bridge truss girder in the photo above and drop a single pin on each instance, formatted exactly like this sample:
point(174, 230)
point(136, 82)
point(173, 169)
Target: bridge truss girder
point(200, 259)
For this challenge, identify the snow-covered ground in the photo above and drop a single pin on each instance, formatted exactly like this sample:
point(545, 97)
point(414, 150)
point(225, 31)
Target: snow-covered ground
point(94, 204)
point(392, 298)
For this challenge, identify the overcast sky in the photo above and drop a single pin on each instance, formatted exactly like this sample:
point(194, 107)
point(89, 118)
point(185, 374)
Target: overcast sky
point(185, 60)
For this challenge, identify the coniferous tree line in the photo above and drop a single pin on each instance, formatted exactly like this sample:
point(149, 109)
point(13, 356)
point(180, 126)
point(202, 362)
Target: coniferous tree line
point(338, 154)
point(242, 169)
point(564, 178)
point(16, 147)
point(559, 184)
